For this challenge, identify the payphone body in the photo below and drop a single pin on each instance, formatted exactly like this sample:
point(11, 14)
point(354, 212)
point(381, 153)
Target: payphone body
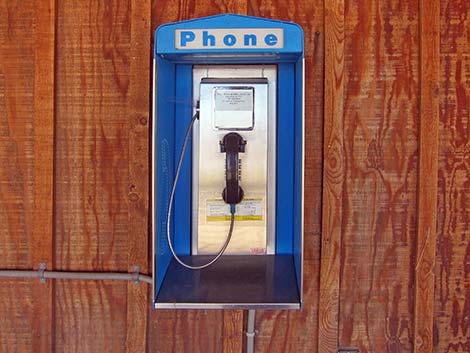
point(214, 78)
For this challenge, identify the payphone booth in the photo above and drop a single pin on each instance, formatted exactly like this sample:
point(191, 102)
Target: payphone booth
point(228, 163)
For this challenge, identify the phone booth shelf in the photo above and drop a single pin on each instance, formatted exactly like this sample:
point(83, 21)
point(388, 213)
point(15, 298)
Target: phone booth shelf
point(272, 279)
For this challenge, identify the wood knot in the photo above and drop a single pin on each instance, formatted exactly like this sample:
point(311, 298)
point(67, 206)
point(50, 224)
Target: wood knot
point(143, 120)
point(374, 155)
point(334, 162)
point(133, 197)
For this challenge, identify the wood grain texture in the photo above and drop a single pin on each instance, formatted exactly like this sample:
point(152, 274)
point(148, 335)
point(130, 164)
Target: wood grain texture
point(452, 295)
point(138, 188)
point(17, 176)
point(233, 331)
point(43, 232)
point(371, 70)
point(186, 331)
point(295, 331)
point(333, 177)
point(194, 330)
point(379, 195)
point(94, 173)
point(427, 183)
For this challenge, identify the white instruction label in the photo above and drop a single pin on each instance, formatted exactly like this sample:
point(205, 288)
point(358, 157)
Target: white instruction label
point(233, 99)
point(247, 210)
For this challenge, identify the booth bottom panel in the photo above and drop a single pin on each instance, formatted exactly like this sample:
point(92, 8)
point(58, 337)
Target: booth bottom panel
point(234, 281)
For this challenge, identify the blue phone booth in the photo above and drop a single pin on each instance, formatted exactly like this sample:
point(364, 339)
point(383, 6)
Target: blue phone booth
point(228, 163)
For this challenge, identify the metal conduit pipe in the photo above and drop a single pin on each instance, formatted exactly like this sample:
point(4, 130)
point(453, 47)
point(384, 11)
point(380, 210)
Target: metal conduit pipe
point(250, 332)
point(43, 274)
point(94, 276)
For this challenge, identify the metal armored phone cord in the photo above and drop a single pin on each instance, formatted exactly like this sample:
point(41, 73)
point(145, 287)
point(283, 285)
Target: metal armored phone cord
point(170, 206)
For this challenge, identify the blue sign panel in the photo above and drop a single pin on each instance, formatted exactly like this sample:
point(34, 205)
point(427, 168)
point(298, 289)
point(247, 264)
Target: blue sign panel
point(234, 34)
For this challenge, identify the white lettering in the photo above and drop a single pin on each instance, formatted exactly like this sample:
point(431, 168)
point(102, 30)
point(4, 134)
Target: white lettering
point(229, 38)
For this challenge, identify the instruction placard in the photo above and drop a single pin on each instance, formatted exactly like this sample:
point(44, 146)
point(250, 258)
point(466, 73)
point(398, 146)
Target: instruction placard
point(233, 99)
point(247, 210)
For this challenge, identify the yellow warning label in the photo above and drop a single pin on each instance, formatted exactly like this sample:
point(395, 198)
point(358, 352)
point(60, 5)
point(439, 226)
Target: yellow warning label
point(247, 210)
point(237, 218)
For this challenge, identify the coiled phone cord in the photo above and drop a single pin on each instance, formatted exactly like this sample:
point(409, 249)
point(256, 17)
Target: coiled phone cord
point(170, 206)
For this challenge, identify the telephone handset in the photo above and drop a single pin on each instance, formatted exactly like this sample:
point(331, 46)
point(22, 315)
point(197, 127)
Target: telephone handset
point(232, 144)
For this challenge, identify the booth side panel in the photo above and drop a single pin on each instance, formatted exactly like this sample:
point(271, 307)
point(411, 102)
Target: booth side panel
point(164, 165)
point(299, 173)
point(183, 115)
point(285, 159)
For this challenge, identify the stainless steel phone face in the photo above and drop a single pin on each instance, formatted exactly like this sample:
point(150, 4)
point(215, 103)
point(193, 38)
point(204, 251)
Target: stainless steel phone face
point(239, 99)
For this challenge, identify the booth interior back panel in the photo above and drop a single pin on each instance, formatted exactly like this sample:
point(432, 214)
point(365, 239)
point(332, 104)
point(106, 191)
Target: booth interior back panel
point(75, 123)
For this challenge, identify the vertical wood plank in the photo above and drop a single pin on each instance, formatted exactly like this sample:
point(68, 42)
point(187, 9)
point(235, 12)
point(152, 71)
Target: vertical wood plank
point(333, 177)
point(452, 271)
point(427, 173)
point(43, 232)
point(233, 331)
point(287, 330)
point(138, 188)
point(381, 110)
point(95, 93)
point(17, 170)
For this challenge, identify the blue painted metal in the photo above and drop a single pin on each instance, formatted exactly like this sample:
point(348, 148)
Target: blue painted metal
point(173, 113)
point(164, 165)
point(293, 39)
point(285, 159)
point(183, 115)
point(298, 174)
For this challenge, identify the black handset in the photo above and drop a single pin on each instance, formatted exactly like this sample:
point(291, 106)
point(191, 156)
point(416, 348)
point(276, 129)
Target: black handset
point(232, 144)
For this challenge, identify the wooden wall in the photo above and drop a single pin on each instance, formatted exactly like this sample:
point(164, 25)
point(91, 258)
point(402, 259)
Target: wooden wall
point(387, 228)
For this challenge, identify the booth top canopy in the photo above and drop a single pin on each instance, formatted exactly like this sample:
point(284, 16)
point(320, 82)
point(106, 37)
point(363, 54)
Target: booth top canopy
point(229, 34)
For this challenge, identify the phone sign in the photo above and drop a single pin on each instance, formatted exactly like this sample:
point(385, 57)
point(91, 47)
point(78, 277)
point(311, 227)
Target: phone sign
point(229, 38)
